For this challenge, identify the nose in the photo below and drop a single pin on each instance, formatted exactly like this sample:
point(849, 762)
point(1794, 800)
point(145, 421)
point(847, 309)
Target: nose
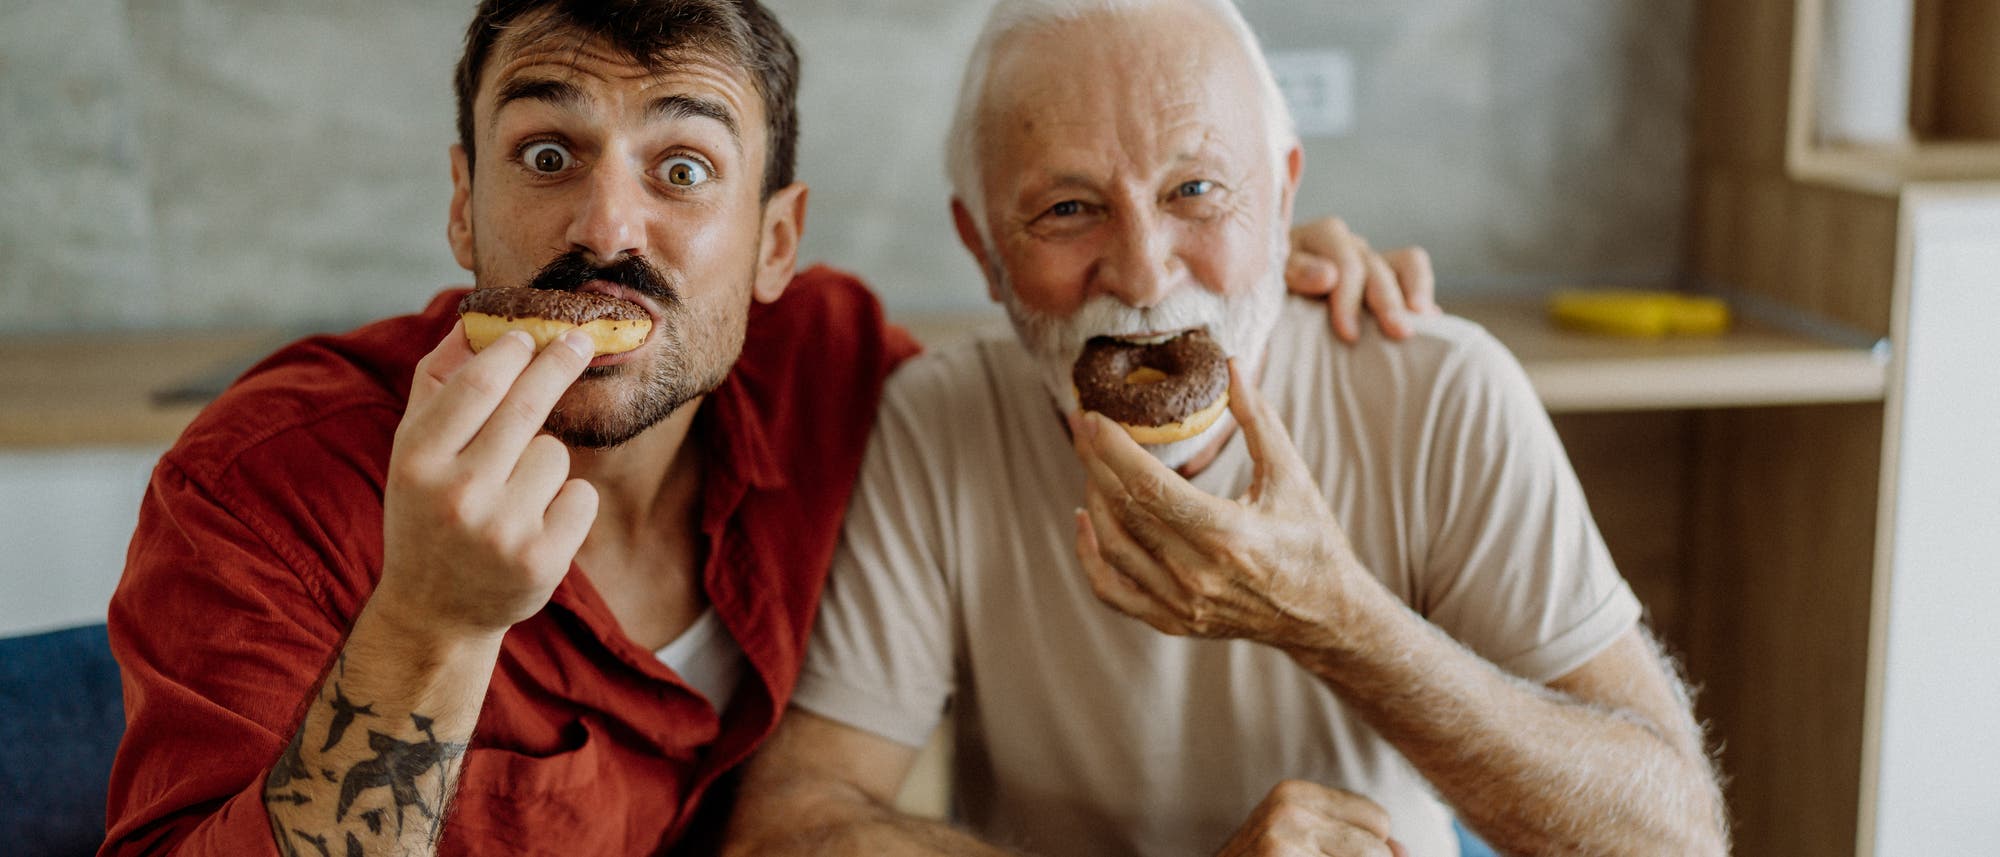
point(1138, 263)
point(609, 221)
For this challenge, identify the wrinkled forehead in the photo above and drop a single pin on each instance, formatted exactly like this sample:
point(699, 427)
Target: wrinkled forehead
point(545, 45)
point(1128, 75)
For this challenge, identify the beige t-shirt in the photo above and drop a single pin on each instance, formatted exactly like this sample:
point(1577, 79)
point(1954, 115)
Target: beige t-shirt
point(1082, 731)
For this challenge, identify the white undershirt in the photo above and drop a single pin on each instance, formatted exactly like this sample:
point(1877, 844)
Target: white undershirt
point(707, 658)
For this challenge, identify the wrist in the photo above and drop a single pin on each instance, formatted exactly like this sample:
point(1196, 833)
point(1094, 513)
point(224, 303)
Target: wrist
point(416, 637)
point(1355, 628)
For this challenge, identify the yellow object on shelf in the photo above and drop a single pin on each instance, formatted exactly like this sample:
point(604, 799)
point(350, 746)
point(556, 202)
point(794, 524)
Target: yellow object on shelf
point(1639, 314)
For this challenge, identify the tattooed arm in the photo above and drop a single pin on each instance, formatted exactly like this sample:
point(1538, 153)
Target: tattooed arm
point(480, 523)
point(373, 766)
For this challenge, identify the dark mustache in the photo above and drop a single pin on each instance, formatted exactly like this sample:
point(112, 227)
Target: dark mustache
point(570, 271)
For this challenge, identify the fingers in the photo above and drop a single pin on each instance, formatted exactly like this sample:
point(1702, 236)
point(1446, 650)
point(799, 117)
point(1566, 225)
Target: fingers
point(1275, 460)
point(1413, 270)
point(442, 425)
point(1385, 298)
point(1352, 257)
point(437, 366)
point(1310, 275)
point(1123, 468)
point(1112, 586)
point(521, 413)
point(540, 473)
point(1299, 815)
point(565, 525)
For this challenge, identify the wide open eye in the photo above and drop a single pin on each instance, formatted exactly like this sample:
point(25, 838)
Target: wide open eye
point(684, 171)
point(546, 158)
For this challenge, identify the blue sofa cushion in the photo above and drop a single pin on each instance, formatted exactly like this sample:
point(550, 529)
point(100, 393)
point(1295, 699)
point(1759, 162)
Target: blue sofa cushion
point(61, 715)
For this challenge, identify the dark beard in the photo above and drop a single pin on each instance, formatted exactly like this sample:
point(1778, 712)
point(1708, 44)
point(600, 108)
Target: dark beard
point(667, 385)
point(680, 371)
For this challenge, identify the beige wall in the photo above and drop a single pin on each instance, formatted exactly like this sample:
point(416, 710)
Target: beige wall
point(210, 162)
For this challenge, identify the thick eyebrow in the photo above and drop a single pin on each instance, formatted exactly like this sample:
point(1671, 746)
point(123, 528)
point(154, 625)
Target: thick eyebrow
point(566, 95)
point(555, 93)
point(689, 106)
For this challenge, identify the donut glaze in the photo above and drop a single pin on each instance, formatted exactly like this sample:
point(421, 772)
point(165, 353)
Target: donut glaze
point(1160, 392)
point(614, 326)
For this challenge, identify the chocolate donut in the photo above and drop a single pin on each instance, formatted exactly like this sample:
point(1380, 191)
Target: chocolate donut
point(1158, 392)
point(614, 326)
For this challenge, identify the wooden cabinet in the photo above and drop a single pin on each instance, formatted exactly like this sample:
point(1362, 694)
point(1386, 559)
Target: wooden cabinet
point(1834, 590)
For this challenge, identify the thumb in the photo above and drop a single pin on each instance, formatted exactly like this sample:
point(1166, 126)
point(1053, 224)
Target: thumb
point(1276, 461)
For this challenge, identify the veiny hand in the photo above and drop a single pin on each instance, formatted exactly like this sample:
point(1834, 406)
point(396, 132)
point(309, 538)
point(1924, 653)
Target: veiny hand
point(1273, 566)
point(1299, 817)
point(480, 517)
point(1330, 260)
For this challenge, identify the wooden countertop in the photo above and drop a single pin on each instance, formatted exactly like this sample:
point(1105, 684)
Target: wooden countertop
point(82, 390)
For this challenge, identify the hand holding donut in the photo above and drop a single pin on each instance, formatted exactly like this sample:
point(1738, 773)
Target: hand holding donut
point(1272, 566)
point(1329, 260)
point(480, 517)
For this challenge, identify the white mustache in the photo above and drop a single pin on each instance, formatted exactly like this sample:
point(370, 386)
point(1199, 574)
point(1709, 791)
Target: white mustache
point(1104, 315)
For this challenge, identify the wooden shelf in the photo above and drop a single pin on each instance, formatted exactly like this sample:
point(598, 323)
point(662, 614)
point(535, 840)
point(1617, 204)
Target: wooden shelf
point(97, 389)
point(1753, 364)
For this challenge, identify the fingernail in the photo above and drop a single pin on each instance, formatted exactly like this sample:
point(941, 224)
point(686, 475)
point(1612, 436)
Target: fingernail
point(579, 342)
point(521, 337)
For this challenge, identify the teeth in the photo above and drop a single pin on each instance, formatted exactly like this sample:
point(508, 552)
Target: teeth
point(1147, 340)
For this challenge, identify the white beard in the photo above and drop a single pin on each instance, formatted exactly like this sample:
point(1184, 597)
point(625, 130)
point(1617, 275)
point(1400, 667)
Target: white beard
point(1240, 324)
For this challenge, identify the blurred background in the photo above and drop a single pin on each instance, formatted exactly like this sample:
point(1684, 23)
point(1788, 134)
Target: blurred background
point(202, 163)
point(1805, 503)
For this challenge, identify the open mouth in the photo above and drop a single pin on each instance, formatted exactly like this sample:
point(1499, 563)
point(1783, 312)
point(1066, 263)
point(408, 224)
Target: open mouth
point(615, 291)
point(1143, 339)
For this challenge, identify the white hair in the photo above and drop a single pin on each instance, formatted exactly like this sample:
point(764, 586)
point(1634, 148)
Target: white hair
point(961, 156)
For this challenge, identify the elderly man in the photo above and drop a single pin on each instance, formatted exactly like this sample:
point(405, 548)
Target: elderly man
point(564, 595)
point(1374, 594)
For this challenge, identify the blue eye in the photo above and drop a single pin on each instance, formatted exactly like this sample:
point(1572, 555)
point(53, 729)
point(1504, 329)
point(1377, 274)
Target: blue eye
point(1197, 187)
point(684, 171)
point(546, 158)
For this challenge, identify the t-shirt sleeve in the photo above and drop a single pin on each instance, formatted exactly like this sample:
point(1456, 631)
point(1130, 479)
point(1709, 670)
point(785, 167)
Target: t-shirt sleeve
point(220, 644)
point(1515, 568)
point(882, 647)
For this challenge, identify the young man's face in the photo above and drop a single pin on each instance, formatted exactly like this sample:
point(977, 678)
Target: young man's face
point(582, 152)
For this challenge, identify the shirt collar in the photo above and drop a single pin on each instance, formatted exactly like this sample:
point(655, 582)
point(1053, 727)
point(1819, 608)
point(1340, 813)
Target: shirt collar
point(732, 427)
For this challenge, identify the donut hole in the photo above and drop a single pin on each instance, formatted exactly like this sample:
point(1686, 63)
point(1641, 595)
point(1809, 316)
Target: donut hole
point(1145, 375)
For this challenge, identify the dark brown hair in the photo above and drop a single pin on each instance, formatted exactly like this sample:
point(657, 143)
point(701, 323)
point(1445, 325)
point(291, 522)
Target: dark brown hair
point(738, 33)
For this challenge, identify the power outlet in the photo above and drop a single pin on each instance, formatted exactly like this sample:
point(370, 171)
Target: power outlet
point(1319, 88)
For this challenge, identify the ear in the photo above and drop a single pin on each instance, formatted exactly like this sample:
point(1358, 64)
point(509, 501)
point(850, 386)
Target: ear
point(1295, 166)
point(459, 228)
point(975, 243)
point(784, 227)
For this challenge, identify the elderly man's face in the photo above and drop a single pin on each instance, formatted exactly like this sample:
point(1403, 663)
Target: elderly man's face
point(584, 155)
point(1130, 185)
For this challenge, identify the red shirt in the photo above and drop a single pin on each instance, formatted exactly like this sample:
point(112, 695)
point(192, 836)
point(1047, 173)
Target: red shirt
point(260, 538)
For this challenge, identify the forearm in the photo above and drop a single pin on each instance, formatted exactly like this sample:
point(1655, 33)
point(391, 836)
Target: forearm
point(1532, 769)
point(375, 761)
point(805, 815)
